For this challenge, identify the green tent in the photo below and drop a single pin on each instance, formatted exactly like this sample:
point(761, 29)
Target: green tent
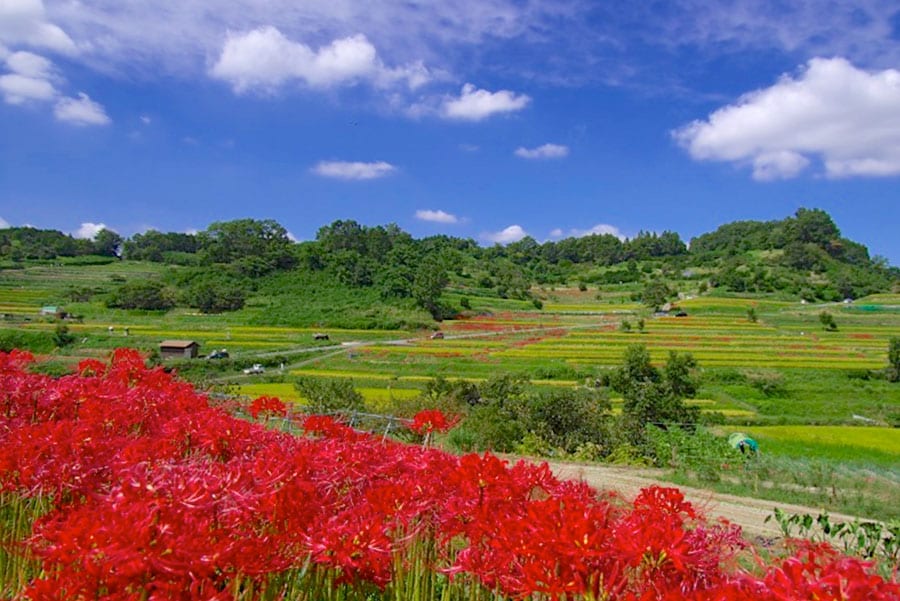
point(743, 443)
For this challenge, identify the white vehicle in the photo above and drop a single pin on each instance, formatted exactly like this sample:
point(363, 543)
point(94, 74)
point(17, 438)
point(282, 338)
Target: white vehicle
point(256, 369)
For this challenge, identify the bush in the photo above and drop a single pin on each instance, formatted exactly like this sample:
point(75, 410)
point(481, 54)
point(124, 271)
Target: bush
point(35, 342)
point(328, 395)
point(62, 337)
point(148, 295)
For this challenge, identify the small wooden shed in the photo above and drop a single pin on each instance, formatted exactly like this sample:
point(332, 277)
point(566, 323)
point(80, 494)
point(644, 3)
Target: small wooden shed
point(179, 349)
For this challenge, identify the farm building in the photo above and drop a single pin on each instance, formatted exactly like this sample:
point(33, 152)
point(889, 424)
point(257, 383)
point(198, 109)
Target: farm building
point(179, 349)
point(53, 311)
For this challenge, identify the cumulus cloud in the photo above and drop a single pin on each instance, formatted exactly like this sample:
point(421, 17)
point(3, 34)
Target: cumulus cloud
point(513, 233)
point(33, 78)
point(264, 60)
point(18, 89)
point(25, 22)
point(30, 78)
point(353, 170)
point(546, 151)
point(88, 230)
point(4, 224)
point(847, 118)
point(474, 104)
point(599, 229)
point(436, 216)
point(80, 111)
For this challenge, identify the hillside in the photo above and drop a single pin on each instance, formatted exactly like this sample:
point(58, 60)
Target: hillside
point(357, 276)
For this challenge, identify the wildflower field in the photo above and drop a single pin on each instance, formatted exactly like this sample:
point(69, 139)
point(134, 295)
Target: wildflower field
point(121, 482)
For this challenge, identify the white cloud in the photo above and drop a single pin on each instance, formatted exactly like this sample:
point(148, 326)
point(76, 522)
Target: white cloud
point(475, 104)
point(846, 117)
point(353, 170)
point(4, 224)
point(25, 22)
point(600, 228)
point(18, 89)
point(145, 119)
point(264, 60)
point(436, 216)
point(513, 233)
point(556, 233)
point(546, 151)
point(30, 78)
point(779, 164)
point(80, 111)
point(29, 64)
point(88, 230)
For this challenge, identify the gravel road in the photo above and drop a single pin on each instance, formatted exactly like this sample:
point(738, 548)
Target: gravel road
point(748, 513)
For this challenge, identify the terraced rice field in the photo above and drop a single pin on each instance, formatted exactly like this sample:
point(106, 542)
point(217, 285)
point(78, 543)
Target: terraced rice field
point(844, 443)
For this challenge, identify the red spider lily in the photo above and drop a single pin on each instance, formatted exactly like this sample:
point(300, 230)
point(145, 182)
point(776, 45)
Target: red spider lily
point(268, 406)
point(158, 495)
point(432, 420)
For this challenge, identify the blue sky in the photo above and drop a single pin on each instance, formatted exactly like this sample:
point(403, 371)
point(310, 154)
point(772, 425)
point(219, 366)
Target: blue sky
point(489, 119)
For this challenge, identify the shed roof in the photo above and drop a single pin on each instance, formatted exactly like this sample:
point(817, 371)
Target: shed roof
point(178, 343)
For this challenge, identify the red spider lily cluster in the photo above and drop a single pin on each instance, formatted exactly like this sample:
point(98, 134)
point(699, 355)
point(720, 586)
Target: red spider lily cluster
point(432, 420)
point(156, 495)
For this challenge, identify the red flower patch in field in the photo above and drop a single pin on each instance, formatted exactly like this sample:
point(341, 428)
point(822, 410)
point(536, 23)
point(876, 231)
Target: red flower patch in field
point(156, 494)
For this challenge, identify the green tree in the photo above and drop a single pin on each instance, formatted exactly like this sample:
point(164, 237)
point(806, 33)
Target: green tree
point(653, 397)
point(62, 337)
point(656, 293)
point(108, 243)
point(827, 321)
point(230, 241)
point(894, 359)
point(329, 395)
point(751, 315)
point(216, 295)
point(566, 419)
point(680, 374)
point(428, 285)
point(148, 295)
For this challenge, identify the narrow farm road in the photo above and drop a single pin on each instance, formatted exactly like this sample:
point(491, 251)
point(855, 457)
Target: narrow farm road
point(748, 513)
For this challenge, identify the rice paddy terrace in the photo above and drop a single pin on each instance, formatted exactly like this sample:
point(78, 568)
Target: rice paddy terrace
point(784, 366)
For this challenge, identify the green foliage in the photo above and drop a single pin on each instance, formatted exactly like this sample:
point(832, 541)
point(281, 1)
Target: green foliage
point(328, 395)
point(157, 246)
point(108, 243)
point(894, 359)
point(216, 293)
point(255, 247)
point(698, 452)
point(653, 397)
point(751, 315)
point(503, 414)
point(26, 340)
point(567, 418)
point(428, 284)
point(869, 540)
point(62, 337)
point(149, 295)
point(681, 375)
point(22, 243)
point(827, 321)
point(656, 293)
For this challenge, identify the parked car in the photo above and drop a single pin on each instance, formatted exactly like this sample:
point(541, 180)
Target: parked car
point(437, 336)
point(255, 369)
point(218, 354)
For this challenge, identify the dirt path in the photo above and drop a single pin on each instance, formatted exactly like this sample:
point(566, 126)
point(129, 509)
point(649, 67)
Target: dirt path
point(748, 513)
